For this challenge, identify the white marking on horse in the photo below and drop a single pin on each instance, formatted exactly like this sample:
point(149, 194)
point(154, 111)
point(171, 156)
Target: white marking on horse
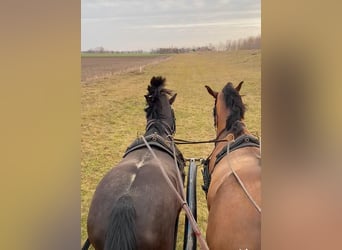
point(138, 165)
point(133, 178)
point(141, 163)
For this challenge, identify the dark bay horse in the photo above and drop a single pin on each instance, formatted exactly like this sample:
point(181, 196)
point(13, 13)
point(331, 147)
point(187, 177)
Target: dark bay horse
point(133, 207)
point(234, 192)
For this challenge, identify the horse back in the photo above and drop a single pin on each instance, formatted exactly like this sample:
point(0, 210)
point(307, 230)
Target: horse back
point(234, 222)
point(138, 176)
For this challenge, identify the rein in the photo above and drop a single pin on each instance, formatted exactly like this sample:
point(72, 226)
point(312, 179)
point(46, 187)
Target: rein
point(244, 141)
point(240, 181)
point(180, 197)
point(181, 141)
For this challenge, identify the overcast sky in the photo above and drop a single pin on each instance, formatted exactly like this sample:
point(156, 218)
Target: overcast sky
point(148, 24)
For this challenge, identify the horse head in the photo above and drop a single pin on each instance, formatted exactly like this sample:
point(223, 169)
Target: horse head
point(159, 112)
point(229, 110)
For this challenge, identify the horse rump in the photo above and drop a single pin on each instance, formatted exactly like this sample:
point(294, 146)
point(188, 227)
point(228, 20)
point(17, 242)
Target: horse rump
point(121, 227)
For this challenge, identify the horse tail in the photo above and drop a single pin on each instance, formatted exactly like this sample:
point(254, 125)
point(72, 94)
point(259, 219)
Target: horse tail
point(86, 245)
point(121, 228)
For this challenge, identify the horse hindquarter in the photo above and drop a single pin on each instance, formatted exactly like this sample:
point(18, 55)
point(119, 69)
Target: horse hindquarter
point(234, 222)
point(134, 189)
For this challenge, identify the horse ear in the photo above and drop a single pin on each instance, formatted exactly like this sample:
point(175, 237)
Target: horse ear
point(239, 86)
point(172, 99)
point(211, 92)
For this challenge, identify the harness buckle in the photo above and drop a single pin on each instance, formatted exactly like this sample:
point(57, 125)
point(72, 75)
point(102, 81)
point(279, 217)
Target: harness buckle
point(206, 176)
point(154, 137)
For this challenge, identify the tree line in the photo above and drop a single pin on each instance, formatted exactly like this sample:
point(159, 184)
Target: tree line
point(252, 42)
point(103, 50)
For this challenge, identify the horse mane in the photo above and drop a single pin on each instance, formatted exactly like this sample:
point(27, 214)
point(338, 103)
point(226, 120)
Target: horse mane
point(155, 90)
point(237, 109)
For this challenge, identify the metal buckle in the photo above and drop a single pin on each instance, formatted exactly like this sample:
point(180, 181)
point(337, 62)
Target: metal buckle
point(154, 136)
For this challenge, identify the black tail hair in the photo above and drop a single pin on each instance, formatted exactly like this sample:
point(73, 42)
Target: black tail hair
point(121, 228)
point(86, 245)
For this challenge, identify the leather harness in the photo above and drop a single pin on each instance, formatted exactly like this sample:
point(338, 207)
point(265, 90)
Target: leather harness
point(156, 141)
point(241, 142)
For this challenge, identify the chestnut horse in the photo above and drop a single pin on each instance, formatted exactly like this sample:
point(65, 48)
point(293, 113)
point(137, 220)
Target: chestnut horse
point(133, 207)
point(233, 176)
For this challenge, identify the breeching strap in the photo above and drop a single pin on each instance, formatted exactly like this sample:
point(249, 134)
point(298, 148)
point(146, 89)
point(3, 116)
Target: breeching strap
point(202, 242)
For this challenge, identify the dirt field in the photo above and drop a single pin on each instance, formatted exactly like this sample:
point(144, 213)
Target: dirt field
point(112, 113)
point(103, 67)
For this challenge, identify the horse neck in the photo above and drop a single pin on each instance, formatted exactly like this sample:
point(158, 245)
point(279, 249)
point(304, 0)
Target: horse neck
point(236, 130)
point(224, 114)
point(221, 126)
point(158, 126)
point(229, 136)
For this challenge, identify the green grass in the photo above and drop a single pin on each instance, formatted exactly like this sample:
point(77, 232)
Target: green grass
point(109, 54)
point(112, 113)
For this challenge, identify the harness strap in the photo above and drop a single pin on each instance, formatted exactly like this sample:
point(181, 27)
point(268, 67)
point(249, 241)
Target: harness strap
point(156, 141)
point(216, 140)
point(240, 142)
point(206, 176)
point(245, 190)
point(241, 182)
point(181, 199)
point(167, 129)
point(181, 141)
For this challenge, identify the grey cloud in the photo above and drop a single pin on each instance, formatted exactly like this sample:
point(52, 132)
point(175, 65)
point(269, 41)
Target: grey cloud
point(116, 24)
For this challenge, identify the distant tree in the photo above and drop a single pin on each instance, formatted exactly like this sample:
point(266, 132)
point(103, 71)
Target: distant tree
point(221, 46)
point(252, 42)
point(228, 45)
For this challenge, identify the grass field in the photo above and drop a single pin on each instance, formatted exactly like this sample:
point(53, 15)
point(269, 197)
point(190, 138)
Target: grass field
point(105, 67)
point(112, 113)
